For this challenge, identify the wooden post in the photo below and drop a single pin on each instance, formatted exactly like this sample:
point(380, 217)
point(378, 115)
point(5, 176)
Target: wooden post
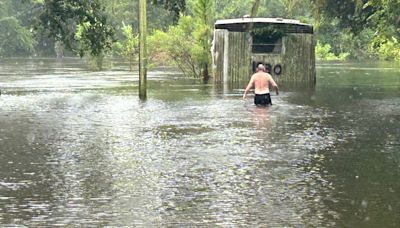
point(142, 50)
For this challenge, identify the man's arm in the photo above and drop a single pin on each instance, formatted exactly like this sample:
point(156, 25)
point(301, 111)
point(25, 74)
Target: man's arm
point(249, 86)
point(273, 84)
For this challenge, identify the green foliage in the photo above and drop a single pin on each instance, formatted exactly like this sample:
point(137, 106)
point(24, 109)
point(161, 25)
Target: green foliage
point(177, 46)
point(204, 19)
point(273, 8)
point(357, 24)
point(232, 9)
point(364, 29)
point(14, 39)
point(174, 6)
point(123, 15)
point(387, 23)
point(323, 52)
point(343, 40)
point(385, 16)
point(349, 13)
point(254, 8)
point(387, 48)
point(268, 31)
point(130, 45)
point(356, 44)
point(290, 6)
point(119, 11)
point(81, 25)
point(187, 44)
point(5, 8)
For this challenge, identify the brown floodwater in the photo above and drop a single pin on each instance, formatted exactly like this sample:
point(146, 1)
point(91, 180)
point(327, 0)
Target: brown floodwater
point(78, 148)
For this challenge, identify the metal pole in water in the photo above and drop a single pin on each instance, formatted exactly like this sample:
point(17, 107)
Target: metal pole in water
point(142, 50)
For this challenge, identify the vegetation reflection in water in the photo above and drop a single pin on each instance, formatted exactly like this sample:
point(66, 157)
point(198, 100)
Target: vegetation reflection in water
point(84, 151)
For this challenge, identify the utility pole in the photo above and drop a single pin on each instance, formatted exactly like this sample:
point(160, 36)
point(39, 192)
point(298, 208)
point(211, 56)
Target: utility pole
point(142, 50)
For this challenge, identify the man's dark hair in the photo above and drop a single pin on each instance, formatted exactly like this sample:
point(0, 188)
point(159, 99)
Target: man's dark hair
point(268, 67)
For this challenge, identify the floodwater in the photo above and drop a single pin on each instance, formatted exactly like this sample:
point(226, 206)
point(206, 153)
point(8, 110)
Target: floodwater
point(78, 149)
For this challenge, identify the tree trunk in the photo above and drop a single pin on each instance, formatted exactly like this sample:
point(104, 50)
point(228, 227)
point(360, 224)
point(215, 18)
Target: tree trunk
point(205, 73)
point(254, 11)
point(142, 50)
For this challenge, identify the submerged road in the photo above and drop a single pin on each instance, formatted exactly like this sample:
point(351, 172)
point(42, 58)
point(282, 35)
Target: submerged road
point(78, 148)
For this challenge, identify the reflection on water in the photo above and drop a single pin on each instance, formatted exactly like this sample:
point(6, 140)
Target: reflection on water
point(78, 148)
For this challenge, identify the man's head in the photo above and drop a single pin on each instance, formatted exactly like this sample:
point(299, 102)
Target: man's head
point(260, 67)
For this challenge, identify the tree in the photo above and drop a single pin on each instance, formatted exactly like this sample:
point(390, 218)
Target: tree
point(174, 6)
point(351, 14)
point(386, 16)
point(81, 25)
point(290, 6)
point(204, 11)
point(130, 45)
point(254, 9)
point(232, 9)
point(14, 39)
point(188, 43)
point(125, 11)
point(356, 19)
point(177, 46)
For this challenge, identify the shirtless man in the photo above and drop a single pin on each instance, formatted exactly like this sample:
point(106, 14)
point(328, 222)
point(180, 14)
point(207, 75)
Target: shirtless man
point(261, 82)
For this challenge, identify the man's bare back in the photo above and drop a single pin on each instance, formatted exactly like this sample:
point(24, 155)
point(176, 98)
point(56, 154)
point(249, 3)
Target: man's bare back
point(261, 82)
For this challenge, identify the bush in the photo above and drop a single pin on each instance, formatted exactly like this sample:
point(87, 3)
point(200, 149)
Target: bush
point(15, 39)
point(94, 41)
point(177, 46)
point(129, 46)
point(387, 48)
point(323, 52)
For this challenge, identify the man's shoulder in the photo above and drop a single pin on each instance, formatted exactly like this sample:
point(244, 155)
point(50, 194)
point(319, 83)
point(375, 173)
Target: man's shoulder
point(258, 74)
point(263, 75)
point(254, 75)
point(268, 75)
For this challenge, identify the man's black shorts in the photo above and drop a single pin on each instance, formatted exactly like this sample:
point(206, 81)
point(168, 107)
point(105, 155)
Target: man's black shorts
point(262, 99)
